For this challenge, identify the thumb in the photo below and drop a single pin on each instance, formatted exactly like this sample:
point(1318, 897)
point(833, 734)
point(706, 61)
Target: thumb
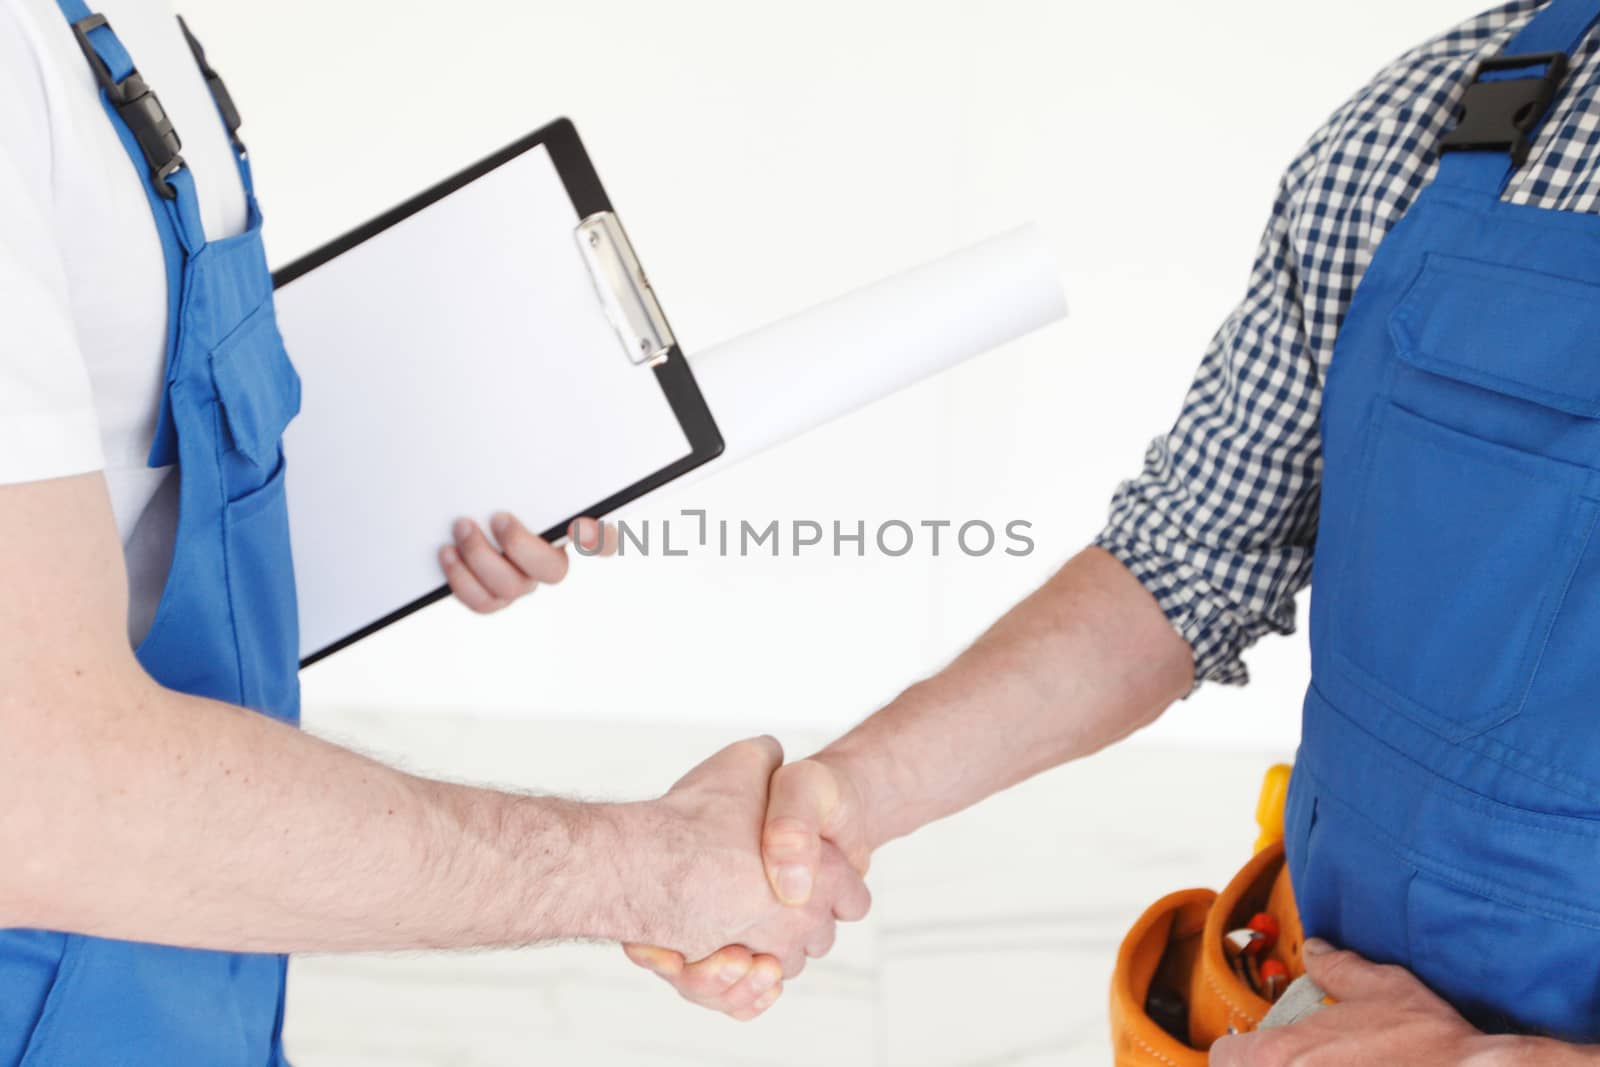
point(1343, 975)
point(802, 796)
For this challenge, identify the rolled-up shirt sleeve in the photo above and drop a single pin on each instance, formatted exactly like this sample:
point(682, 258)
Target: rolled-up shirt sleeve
point(1220, 525)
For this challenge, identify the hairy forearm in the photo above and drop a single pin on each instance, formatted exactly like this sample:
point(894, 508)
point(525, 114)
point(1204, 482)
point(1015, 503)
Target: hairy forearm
point(143, 814)
point(1086, 660)
point(131, 811)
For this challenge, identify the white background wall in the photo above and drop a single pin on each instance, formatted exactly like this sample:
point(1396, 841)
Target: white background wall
point(768, 156)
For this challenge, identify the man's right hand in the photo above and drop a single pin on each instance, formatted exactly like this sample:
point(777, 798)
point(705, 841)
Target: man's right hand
point(713, 824)
point(815, 820)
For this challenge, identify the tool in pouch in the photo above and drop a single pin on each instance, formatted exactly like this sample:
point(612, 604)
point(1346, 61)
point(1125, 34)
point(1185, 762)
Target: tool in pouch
point(1199, 965)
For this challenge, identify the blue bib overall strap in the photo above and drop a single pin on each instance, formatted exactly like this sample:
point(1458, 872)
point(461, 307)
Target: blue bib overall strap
point(226, 624)
point(1445, 810)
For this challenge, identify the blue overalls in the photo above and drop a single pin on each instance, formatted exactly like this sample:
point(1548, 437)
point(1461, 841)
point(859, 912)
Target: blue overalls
point(1445, 808)
point(226, 624)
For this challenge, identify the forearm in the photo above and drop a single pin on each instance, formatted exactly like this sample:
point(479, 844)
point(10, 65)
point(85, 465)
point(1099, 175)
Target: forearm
point(1086, 660)
point(160, 817)
point(1534, 1052)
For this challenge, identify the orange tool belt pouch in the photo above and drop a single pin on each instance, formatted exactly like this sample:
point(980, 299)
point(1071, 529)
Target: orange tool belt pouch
point(1175, 991)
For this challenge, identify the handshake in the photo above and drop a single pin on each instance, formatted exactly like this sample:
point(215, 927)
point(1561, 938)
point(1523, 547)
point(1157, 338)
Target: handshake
point(759, 862)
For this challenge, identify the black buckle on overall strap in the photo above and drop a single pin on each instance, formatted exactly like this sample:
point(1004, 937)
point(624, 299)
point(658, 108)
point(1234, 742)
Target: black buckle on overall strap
point(219, 89)
point(140, 109)
point(1501, 115)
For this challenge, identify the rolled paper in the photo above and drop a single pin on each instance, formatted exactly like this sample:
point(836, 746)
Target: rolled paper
point(806, 370)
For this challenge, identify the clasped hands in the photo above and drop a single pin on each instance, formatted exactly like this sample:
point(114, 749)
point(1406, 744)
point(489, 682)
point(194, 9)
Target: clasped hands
point(760, 860)
point(771, 857)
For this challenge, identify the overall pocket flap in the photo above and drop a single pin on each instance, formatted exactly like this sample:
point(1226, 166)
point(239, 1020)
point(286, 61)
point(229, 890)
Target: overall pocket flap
point(257, 386)
point(1528, 335)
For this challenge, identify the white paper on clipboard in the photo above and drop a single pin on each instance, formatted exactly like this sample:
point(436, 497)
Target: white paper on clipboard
point(457, 363)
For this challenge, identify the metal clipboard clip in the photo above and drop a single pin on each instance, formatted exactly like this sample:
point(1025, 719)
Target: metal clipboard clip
point(623, 289)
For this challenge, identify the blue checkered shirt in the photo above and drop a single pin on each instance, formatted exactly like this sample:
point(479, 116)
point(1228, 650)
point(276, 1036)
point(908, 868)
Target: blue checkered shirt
point(1221, 525)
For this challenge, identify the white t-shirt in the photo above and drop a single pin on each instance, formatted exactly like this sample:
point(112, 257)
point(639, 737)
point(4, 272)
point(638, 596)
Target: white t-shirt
point(83, 292)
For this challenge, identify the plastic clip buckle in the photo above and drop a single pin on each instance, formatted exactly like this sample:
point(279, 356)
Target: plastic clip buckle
point(219, 89)
point(1500, 114)
point(139, 108)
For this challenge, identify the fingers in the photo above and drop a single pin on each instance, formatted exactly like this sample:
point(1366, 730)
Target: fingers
point(793, 962)
point(496, 573)
point(1346, 976)
point(841, 896)
point(486, 576)
point(802, 794)
point(761, 1003)
point(852, 900)
point(758, 986)
point(536, 558)
point(820, 943)
point(465, 585)
point(732, 980)
point(710, 980)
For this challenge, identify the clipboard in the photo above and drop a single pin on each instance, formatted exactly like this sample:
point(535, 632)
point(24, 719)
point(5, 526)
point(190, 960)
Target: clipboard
point(491, 344)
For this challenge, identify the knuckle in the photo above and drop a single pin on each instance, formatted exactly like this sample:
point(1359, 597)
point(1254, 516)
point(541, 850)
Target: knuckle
point(1393, 973)
point(520, 542)
point(477, 558)
point(1333, 964)
point(1400, 985)
point(820, 948)
point(482, 600)
point(706, 976)
point(861, 905)
point(1273, 1048)
point(705, 984)
point(788, 835)
point(764, 748)
point(506, 584)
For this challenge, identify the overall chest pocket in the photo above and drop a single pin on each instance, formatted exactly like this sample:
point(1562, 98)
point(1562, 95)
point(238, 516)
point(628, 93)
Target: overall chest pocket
point(1476, 501)
point(258, 392)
